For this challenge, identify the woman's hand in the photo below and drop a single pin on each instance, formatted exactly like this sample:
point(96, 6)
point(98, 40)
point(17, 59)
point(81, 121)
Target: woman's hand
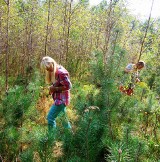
point(52, 89)
point(137, 80)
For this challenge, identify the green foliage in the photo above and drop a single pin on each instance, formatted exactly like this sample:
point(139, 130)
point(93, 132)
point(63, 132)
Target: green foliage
point(118, 153)
point(13, 109)
point(84, 2)
point(27, 155)
point(94, 44)
point(2, 87)
point(81, 145)
point(120, 115)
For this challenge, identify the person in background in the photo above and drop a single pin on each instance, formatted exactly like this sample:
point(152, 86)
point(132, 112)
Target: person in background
point(133, 70)
point(58, 77)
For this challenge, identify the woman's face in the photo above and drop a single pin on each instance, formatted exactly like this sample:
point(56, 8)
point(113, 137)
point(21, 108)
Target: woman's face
point(140, 66)
point(50, 67)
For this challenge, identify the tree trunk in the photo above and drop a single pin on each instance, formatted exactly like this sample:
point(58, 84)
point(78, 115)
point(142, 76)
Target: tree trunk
point(47, 28)
point(145, 35)
point(62, 57)
point(7, 46)
point(30, 39)
point(68, 31)
point(1, 65)
point(107, 33)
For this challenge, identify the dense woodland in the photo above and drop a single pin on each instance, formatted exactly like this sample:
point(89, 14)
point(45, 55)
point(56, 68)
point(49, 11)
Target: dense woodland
point(94, 44)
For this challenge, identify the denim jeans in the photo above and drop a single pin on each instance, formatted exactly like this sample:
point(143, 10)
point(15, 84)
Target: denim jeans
point(56, 110)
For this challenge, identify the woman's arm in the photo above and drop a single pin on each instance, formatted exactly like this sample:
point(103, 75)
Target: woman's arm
point(65, 84)
point(129, 68)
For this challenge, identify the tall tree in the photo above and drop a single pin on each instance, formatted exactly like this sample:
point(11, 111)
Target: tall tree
point(47, 27)
point(7, 43)
point(145, 32)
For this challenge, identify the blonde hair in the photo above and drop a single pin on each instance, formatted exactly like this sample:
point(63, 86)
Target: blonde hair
point(46, 62)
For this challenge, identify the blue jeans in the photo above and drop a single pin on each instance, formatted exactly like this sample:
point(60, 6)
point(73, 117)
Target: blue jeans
point(55, 110)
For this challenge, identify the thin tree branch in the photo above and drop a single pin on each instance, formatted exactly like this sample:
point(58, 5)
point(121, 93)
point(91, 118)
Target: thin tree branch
point(146, 32)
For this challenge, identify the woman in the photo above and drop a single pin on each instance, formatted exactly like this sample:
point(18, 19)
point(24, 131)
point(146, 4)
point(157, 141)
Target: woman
point(58, 77)
point(133, 70)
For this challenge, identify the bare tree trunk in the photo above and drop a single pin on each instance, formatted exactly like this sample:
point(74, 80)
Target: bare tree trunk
point(26, 41)
point(68, 30)
point(113, 51)
point(115, 43)
point(47, 28)
point(30, 39)
point(145, 35)
point(7, 45)
point(98, 37)
point(1, 65)
point(107, 33)
point(64, 33)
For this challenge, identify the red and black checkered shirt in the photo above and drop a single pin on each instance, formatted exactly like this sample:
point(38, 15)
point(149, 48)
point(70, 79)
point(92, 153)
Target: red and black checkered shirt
point(62, 79)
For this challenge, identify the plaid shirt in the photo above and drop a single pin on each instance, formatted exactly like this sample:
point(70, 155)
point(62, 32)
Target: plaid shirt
point(62, 79)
